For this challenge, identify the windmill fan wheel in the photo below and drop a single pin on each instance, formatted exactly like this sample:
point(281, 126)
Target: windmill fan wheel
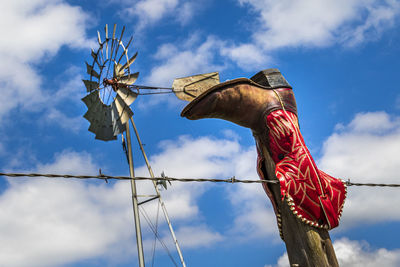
point(108, 87)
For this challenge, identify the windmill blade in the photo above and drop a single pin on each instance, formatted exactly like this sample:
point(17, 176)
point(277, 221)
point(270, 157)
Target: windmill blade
point(101, 54)
point(105, 129)
point(102, 128)
point(106, 134)
point(115, 27)
point(90, 85)
point(113, 42)
point(91, 98)
point(129, 42)
point(95, 58)
point(91, 71)
point(125, 50)
point(118, 127)
point(118, 71)
point(122, 33)
point(130, 61)
point(106, 30)
point(119, 41)
point(95, 125)
point(98, 37)
point(129, 79)
point(100, 117)
point(188, 88)
point(121, 113)
point(126, 95)
point(124, 111)
point(94, 105)
point(94, 115)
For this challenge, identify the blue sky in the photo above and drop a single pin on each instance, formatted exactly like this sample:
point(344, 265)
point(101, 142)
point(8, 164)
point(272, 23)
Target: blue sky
point(341, 57)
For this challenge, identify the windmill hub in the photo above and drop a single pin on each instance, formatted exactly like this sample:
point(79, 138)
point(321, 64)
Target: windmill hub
point(113, 83)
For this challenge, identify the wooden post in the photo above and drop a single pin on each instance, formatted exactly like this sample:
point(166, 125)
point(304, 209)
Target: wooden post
point(306, 246)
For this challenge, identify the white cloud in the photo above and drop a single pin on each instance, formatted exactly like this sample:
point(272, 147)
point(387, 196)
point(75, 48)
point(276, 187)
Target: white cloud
point(279, 24)
point(254, 215)
point(41, 27)
point(34, 32)
point(310, 23)
point(351, 253)
point(187, 11)
point(62, 221)
point(175, 61)
point(189, 157)
point(69, 92)
point(371, 123)
point(59, 212)
point(283, 261)
point(220, 158)
point(366, 150)
point(197, 236)
point(247, 56)
point(55, 208)
point(192, 57)
point(354, 253)
point(55, 117)
point(320, 23)
point(150, 12)
point(69, 162)
point(380, 16)
point(207, 157)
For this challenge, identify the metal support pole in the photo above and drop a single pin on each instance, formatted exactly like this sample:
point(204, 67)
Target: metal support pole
point(135, 199)
point(158, 193)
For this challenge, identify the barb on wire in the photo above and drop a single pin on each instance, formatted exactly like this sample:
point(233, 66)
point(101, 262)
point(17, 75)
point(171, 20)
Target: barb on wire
point(171, 179)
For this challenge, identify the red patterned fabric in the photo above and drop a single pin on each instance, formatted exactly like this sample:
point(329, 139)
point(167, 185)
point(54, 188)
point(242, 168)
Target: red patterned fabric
point(314, 196)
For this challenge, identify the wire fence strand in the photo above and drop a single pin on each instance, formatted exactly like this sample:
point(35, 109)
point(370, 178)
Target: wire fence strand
point(348, 183)
point(137, 178)
point(231, 180)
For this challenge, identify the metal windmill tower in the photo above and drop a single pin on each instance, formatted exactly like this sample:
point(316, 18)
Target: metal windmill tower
point(111, 91)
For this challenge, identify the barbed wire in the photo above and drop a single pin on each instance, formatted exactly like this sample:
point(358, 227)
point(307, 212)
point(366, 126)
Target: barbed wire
point(171, 179)
point(137, 178)
point(348, 183)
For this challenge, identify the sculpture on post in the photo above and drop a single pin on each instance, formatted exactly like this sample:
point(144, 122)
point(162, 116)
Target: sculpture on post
point(266, 104)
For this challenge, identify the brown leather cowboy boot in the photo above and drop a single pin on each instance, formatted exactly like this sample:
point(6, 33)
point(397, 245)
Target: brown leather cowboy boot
point(269, 110)
point(246, 103)
point(267, 106)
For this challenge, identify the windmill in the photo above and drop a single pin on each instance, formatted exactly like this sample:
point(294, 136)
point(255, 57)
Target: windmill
point(110, 92)
point(107, 102)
